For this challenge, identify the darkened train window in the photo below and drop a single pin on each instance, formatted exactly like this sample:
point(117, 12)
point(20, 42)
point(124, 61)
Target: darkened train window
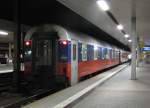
point(44, 52)
point(110, 53)
point(114, 54)
point(84, 52)
point(108, 56)
point(90, 52)
point(79, 52)
point(100, 53)
point(117, 54)
point(74, 52)
point(96, 52)
point(105, 53)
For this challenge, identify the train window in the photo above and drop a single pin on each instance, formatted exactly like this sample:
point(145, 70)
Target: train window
point(96, 52)
point(90, 52)
point(43, 52)
point(74, 52)
point(84, 52)
point(79, 52)
point(113, 54)
point(117, 54)
point(100, 53)
point(107, 53)
point(110, 53)
point(104, 53)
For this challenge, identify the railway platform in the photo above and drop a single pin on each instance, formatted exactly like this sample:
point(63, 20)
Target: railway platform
point(72, 94)
point(4, 68)
point(121, 92)
point(118, 92)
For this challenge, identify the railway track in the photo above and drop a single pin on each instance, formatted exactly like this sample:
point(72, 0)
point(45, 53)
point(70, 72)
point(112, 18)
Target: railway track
point(5, 81)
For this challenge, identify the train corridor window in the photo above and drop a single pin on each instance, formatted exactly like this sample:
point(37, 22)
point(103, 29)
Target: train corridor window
point(96, 53)
point(84, 52)
point(74, 52)
point(113, 54)
point(44, 52)
point(104, 53)
point(110, 53)
point(90, 52)
point(100, 53)
point(117, 54)
point(79, 52)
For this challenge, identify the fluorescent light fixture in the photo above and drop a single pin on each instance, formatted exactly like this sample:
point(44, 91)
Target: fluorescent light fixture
point(3, 33)
point(95, 47)
point(130, 40)
point(126, 36)
point(103, 5)
point(120, 27)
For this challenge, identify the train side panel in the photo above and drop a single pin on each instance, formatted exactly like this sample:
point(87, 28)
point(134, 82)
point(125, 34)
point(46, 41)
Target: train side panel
point(93, 59)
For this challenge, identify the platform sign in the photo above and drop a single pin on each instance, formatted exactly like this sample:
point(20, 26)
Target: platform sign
point(146, 49)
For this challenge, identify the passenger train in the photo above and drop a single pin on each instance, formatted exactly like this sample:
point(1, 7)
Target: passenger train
point(55, 53)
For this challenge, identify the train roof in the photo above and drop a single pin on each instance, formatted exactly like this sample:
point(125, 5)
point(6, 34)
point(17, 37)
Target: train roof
point(66, 34)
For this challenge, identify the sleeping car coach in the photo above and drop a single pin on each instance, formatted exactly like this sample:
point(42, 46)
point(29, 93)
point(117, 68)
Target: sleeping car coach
point(55, 53)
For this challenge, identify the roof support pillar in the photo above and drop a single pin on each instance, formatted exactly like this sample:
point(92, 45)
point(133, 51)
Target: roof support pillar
point(134, 40)
point(138, 53)
point(17, 48)
point(10, 54)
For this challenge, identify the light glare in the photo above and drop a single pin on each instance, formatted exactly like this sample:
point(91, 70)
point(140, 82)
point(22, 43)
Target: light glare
point(103, 5)
point(95, 47)
point(130, 40)
point(27, 43)
point(65, 42)
point(120, 27)
point(126, 35)
point(3, 33)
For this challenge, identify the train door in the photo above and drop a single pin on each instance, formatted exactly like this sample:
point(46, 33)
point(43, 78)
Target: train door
point(120, 58)
point(74, 62)
point(43, 61)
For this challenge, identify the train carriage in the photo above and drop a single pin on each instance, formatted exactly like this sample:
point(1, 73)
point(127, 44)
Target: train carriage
point(51, 50)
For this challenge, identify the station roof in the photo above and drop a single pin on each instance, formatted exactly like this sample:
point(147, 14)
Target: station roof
point(75, 14)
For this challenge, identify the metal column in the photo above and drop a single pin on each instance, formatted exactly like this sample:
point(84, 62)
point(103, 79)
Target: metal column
point(10, 56)
point(17, 43)
point(138, 52)
point(134, 41)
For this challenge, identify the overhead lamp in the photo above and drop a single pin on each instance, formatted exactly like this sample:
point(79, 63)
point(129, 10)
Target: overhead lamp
point(95, 48)
point(126, 36)
point(103, 5)
point(130, 40)
point(120, 27)
point(3, 33)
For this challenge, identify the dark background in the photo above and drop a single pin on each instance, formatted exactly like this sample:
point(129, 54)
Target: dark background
point(37, 12)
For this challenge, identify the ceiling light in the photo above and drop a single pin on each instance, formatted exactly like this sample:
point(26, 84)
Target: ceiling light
point(3, 33)
point(126, 35)
point(130, 40)
point(103, 5)
point(120, 27)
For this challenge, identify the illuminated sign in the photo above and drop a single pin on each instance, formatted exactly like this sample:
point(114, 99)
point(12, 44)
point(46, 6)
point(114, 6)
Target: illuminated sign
point(146, 49)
